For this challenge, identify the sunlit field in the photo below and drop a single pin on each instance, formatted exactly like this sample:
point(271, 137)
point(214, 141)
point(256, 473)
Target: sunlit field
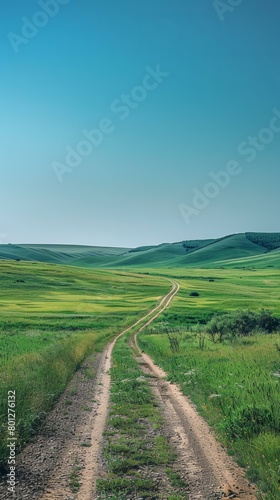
point(235, 384)
point(221, 290)
point(52, 317)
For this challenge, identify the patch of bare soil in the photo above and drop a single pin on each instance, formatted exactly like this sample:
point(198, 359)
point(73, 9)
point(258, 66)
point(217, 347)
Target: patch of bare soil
point(45, 465)
point(209, 471)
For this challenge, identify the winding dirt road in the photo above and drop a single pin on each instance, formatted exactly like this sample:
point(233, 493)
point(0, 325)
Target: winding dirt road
point(90, 472)
point(71, 449)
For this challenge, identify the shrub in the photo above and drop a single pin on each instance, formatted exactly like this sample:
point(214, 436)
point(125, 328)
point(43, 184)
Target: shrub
point(243, 322)
point(194, 294)
point(218, 328)
point(240, 324)
point(268, 322)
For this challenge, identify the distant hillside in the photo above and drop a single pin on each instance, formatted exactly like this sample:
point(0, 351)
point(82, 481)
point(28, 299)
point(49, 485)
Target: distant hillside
point(261, 261)
point(238, 250)
point(235, 246)
point(61, 254)
point(270, 241)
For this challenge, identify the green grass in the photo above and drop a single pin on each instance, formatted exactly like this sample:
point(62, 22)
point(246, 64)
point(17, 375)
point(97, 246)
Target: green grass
point(241, 373)
point(236, 387)
point(135, 447)
point(74, 482)
point(52, 318)
point(220, 290)
point(262, 261)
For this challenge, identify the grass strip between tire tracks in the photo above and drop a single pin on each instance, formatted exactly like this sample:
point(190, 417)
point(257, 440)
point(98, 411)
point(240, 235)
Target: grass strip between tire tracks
point(140, 462)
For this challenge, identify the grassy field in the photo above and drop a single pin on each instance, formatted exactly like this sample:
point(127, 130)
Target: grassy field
point(52, 317)
point(220, 290)
point(236, 386)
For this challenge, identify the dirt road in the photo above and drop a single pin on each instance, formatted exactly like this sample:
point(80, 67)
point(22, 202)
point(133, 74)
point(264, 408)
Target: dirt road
point(90, 472)
point(66, 455)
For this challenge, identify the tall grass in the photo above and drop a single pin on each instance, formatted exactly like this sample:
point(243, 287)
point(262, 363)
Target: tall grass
point(38, 378)
point(236, 388)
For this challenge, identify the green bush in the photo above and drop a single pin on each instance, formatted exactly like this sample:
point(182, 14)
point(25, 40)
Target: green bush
point(268, 322)
point(218, 328)
point(243, 323)
point(240, 324)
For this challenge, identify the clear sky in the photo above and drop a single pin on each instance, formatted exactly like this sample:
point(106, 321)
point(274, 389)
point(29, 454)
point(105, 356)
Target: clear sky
point(174, 90)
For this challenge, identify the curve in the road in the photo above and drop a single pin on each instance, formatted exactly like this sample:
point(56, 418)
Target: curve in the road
point(90, 472)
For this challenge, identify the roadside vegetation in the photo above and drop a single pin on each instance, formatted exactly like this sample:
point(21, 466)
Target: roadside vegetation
point(220, 291)
point(235, 384)
point(235, 324)
point(140, 462)
point(52, 318)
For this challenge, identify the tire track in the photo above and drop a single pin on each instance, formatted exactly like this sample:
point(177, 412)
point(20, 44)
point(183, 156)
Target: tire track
point(97, 420)
point(88, 490)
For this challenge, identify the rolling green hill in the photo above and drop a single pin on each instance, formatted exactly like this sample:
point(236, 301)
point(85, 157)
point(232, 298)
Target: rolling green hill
point(239, 250)
point(231, 247)
point(61, 254)
point(265, 260)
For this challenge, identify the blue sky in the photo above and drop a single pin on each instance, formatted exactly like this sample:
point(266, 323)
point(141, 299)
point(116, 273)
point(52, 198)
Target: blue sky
point(222, 85)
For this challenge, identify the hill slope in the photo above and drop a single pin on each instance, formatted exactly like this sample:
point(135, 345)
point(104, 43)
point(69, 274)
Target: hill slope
point(231, 247)
point(238, 250)
point(61, 254)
